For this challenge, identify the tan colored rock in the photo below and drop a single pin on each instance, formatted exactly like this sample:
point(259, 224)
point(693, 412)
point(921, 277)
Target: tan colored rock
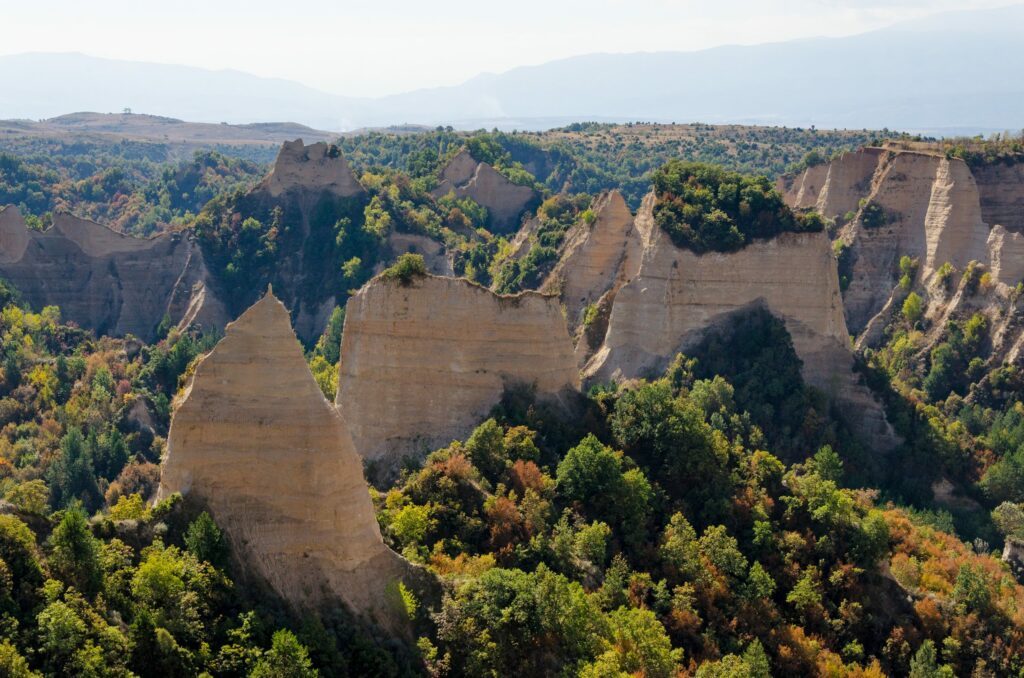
point(254, 440)
point(504, 200)
point(677, 295)
point(314, 168)
point(422, 364)
point(594, 256)
point(107, 281)
point(933, 215)
point(434, 254)
point(835, 188)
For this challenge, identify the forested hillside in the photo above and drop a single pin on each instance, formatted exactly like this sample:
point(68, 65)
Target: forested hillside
point(720, 517)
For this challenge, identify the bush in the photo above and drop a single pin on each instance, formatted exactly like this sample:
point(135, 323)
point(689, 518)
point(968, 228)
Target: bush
point(407, 267)
point(913, 308)
point(704, 207)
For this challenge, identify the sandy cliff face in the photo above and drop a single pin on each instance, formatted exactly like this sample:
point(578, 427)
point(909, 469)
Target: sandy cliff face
point(834, 188)
point(422, 364)
point(314, 168)
point(595, 257)
point(255, 441)
point(106, 281)
point(933, 208)
point(504, 200)
point(677, 295)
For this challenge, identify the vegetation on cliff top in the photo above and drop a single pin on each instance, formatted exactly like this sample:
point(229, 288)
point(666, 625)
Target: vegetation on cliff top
point(706, 208)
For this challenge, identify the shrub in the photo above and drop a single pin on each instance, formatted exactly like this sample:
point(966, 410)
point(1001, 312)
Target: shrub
point(913, 308)
point(407, 267)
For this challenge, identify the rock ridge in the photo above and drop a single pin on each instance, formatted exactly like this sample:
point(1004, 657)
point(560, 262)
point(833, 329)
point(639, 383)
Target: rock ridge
point(107, 281)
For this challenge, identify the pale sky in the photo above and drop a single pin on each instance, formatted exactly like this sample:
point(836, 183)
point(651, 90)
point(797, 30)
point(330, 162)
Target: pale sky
point(374, 47)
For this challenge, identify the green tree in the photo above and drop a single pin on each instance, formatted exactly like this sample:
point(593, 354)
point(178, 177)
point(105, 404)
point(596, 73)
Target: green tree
point(75, 552)
point(913, 308)
point(205, 541)
point(286, 658)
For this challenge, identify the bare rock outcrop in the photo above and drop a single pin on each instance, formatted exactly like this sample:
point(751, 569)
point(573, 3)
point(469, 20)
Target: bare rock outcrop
point(422, 363)
point(254, 440)
point(106, 281)
point(435, 256)
point(467, 177)
point(314, 168)
point(595, 258)
point(915, 201)
point(677, 295)
point(835, 188)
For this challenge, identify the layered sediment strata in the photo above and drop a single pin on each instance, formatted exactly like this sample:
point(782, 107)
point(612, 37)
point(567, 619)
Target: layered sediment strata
point(595, 258)
point(423, 362)
point(106, 281)
point(254, 440)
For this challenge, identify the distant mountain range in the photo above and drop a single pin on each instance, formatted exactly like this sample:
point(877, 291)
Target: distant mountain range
point(952, 73)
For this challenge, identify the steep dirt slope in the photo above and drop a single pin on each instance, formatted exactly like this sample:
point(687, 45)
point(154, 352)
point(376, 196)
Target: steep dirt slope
point(423, 363)
point(594, 256)
point(106, 281)
point(254, 440)
point(504, 200)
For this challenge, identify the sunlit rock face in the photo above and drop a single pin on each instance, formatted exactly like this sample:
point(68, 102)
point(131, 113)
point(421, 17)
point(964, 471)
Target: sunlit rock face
point(254, 440)
point(423, 363)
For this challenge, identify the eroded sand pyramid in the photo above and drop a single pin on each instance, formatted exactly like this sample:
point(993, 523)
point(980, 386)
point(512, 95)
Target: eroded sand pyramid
point(254, 440)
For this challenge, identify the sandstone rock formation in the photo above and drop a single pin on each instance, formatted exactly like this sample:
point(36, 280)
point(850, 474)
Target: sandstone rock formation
point(423, 363)
point(504, 200)
point(314, 168)
point(434, 254)
point(676, 296)
point(595, 258)
point(835, 188)
point(934, 209)
point(254, 440)
point(107, 281)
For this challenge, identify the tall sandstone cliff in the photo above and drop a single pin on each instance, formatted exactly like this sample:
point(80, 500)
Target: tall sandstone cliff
point(106, 281)
point(423, 363)
point(671, 297)
point(929, 207)
point(254, 440)
point(467, 177)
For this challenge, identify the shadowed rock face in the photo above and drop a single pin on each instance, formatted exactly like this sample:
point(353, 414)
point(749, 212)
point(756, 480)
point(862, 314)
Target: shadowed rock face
point(504, 200)
point(255, 441)
point(106, 281)
point(422, 364)
point(314, 168)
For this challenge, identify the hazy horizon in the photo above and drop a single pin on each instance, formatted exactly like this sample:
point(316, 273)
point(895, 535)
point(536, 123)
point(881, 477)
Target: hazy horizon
point(363, 49)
